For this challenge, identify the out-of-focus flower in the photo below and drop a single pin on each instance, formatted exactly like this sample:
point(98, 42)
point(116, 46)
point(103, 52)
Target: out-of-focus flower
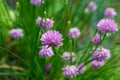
point(49, 23)
point(52, 38)
point(46, 51)
point(81, 68)
point(48, 67)
point(36, 2)
point(70, 71)
point(101, 54)
point(96, 39)
point(66, 56)
point(16, 33)
point(110, 13)
point(38, 21)
point(97, 64)
point(91, 7)
point(74, 33)
point(45, 23)
point(107, 25)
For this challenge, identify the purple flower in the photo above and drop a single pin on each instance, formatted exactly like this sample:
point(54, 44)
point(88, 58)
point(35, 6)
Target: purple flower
point(97, 64)
point(45, 23)
point(110, 13)
point(49, 23)
point(96, 39)
point(81, 68)
point(66, 56)
point(38, 21)
point(101, 54)
point(52, 38)
point(70, 71)
point(91, 7)
point(36, 2)
point(46, 51)
point(48, 67)
point(16, 33)
point(107, 25)
point(74, 33)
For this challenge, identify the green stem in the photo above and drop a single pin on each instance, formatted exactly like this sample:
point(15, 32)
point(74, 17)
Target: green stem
point(57, 53)
point(103, 38)
point(70, 52)
point(87, 49)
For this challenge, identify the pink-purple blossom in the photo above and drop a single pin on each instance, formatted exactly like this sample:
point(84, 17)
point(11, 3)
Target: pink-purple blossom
point(101, 54)
point(52, 38)
point(16, 33)
point(70, 71)
point(81, 68)
point(46, 51)
point(48, 68)
point(107, 25)
point(66, 56)
point(36, 2)
point(97, 64)
point(45, 23)
point(96, 39)
point(49, 23)
point(38, 21)
point(110, 12)
point(74, 33)
point(91, 7)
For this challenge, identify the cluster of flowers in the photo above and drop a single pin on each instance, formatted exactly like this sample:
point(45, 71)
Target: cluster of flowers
point(106, 25)
point(100, 56)
point(72, 71)
point(109, 12)
point(45, 23)
point(53, 38)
